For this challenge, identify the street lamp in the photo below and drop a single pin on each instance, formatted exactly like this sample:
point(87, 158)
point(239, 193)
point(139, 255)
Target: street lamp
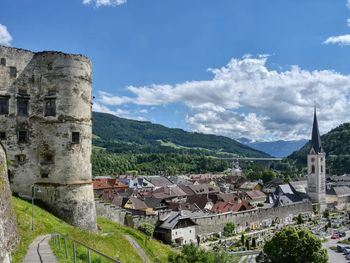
point(35, 189)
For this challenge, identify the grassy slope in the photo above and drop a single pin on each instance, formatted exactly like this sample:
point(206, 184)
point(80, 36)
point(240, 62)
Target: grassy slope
point(110, 240)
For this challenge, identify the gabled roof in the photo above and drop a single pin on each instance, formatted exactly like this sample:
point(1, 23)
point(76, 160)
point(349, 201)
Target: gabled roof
point(173, 219)
point(204, 189)
point(158, 181)
point(316, 138)
point(199, 200)
point(342, 191)
point(138, 204)
point(168, 192)
point(249, 185)
point(236, 206)
point(255, 194)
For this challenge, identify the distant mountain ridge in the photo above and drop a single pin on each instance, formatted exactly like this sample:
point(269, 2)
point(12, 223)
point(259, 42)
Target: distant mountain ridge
point(278, 148)
point(121, 135)
point(336, 144)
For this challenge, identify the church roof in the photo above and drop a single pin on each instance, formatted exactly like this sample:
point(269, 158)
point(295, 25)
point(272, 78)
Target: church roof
point(316, 138)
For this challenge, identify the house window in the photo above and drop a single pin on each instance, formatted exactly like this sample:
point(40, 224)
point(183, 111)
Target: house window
point(21, 158)
point(50, 107)
point(13, 72)
point(2, 136)
point(4, 105)
point(22, 136)
point(22, 107)
point(75, 137)
point(44, 175)
point(3, 61)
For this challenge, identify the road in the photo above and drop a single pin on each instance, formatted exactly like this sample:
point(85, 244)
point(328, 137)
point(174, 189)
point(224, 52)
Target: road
point(334, 257)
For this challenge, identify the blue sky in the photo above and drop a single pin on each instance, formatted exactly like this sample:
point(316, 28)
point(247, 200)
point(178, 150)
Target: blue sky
point(151, 59)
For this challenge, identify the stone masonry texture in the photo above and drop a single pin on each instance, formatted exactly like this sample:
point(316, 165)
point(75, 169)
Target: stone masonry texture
point(45, 127)
point(8, 225)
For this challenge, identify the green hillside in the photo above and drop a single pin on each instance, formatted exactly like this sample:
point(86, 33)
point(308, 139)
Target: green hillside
point(120, 135)
point(336, 144)
point(110, 239)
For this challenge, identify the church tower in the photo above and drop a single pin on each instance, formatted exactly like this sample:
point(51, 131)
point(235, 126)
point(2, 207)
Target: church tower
point(316, 168)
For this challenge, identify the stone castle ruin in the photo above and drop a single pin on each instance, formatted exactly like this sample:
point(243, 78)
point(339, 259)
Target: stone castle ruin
point(46, 130)
point(8, 225)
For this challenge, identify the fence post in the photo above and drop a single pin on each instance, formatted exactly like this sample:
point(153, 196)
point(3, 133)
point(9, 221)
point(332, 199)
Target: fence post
point(74, 252)
point(59, 241)
point(88, 255)
point(65, 247)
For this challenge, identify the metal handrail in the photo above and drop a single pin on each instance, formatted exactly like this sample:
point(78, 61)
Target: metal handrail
point(80, 243)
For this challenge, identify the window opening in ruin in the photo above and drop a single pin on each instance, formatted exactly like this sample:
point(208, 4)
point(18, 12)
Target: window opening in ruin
point(313, 169)
point(50, 107)
point(2, 136)
point(48, 158)
point(21, 158)
point(75, 137)
point(321, 168)
point(10, 175)
point(44, 175)
point(13, 72)
point(3, 61)
point(49, 66)
point(22, 92)
point(4, 105)
point(22, 137)
point(22, 107)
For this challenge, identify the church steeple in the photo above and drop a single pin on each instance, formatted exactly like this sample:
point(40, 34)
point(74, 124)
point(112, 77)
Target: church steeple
point(316, 138)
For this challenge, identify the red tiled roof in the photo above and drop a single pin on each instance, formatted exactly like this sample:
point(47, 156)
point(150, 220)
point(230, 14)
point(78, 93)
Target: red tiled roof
point(107, 184)
point(233, 206)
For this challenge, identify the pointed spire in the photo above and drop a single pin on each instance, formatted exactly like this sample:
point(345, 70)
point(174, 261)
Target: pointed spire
point(316, 139)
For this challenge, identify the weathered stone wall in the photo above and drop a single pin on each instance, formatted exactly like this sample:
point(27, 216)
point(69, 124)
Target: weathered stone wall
point(259, 217)
point(110, 211)
point(60, 167)
point(150, 219)
point(8, 225)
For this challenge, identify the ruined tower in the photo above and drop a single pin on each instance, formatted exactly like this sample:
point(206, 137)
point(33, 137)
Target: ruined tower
point(45, 127)
point(316, 168)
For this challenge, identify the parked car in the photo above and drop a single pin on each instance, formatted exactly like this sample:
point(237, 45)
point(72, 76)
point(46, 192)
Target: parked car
point(340, 248)
point(341, 234)
point(335, 236)
point(346, 251)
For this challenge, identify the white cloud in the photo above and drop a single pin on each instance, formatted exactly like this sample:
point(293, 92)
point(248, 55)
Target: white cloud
point(343, 40)
point(246, 98)
point(348, 4)
point(5, 37)
point(99, 3)
point(348, 22)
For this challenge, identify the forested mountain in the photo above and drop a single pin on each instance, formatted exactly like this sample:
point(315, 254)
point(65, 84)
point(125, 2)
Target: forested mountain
point(279, 148)
point(336, 144)
point(120, 135)
point(123, 145)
